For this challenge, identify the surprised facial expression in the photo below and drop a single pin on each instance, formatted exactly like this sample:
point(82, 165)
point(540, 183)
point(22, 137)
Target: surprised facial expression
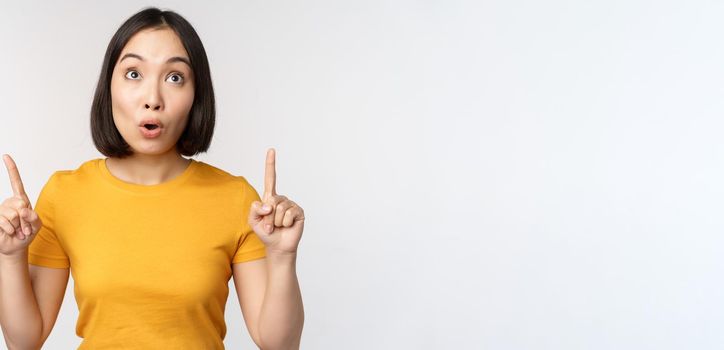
point(152, 91)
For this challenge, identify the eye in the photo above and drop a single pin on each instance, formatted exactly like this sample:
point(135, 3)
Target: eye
point(132, 74)
point(176, 78)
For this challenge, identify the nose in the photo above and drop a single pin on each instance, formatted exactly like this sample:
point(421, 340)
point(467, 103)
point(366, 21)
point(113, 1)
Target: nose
point(153, 99)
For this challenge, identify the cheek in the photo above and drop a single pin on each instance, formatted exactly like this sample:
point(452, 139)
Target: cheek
point(121, 101)
point(181, 104)
point(188, 98)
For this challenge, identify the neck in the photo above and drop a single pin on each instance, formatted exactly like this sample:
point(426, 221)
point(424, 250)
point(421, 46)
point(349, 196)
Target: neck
point(148, 169)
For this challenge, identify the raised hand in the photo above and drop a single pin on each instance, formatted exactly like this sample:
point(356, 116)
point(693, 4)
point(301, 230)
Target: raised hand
point(277, 221)
point(18, 221)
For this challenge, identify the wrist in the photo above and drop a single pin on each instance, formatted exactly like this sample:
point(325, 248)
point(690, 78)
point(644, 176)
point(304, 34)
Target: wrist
point(15, 258)
point(280, 257)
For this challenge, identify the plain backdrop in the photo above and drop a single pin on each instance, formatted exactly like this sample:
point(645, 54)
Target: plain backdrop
point(503, 174)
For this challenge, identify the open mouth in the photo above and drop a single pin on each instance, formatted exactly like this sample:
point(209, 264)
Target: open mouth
point(150, 127)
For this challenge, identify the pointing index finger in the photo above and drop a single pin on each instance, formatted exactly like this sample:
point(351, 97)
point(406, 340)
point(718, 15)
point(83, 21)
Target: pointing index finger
point(14, 175)
point(270, 174)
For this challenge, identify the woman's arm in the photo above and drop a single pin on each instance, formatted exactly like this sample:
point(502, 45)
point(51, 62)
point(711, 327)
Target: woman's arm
point(30, 299)
point(282, 314)
point(19, 312)
point(269, 287)
point(271, 300)
point(30, 296)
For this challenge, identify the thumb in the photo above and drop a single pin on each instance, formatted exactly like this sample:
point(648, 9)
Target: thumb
point(32, 221)
point(257, 212)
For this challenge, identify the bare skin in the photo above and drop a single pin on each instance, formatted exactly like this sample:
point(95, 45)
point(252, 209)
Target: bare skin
point(151, 83)
point(146, 85)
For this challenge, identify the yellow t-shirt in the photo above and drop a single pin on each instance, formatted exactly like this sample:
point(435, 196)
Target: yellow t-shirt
point(151, 264)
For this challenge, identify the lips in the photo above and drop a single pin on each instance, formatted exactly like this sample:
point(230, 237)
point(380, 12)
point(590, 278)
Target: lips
point(150, 127)
point(151, 124)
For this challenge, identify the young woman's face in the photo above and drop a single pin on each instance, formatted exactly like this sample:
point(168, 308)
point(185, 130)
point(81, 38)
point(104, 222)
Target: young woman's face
point(152, 82)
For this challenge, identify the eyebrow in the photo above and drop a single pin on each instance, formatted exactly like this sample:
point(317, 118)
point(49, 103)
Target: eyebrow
point(170, 60)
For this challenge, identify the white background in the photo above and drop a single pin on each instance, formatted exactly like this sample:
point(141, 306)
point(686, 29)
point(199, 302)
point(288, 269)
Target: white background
point(485, 174)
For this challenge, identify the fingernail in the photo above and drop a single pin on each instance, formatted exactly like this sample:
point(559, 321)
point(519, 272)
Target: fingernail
point(266, 207)
point(27, 231)
point(268, 228)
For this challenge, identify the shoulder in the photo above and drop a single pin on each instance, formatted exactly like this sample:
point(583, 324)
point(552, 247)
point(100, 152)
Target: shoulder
point(79, 175)
point(211, 175)
point(61, 181)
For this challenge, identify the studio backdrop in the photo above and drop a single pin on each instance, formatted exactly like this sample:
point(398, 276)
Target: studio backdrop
point(475, 174)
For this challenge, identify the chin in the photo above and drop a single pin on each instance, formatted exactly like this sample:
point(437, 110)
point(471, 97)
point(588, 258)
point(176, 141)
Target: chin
point(153, 150)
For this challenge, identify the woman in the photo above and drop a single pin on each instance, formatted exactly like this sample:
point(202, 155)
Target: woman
point(152, 237)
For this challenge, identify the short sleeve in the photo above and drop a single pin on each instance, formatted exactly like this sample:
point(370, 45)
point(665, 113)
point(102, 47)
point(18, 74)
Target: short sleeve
point(45, 249)
point(249, 247)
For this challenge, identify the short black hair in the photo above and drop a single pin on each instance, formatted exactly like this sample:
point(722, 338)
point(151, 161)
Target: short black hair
point(196, 138)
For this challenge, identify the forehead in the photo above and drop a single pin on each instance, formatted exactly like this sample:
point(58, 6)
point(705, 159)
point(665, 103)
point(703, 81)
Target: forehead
point(155, 45)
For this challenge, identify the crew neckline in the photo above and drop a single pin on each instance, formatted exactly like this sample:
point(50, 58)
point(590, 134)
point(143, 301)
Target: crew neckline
point(146, 189)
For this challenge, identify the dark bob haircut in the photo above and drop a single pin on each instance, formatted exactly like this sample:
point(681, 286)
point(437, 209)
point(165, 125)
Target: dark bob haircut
point(196, 138)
